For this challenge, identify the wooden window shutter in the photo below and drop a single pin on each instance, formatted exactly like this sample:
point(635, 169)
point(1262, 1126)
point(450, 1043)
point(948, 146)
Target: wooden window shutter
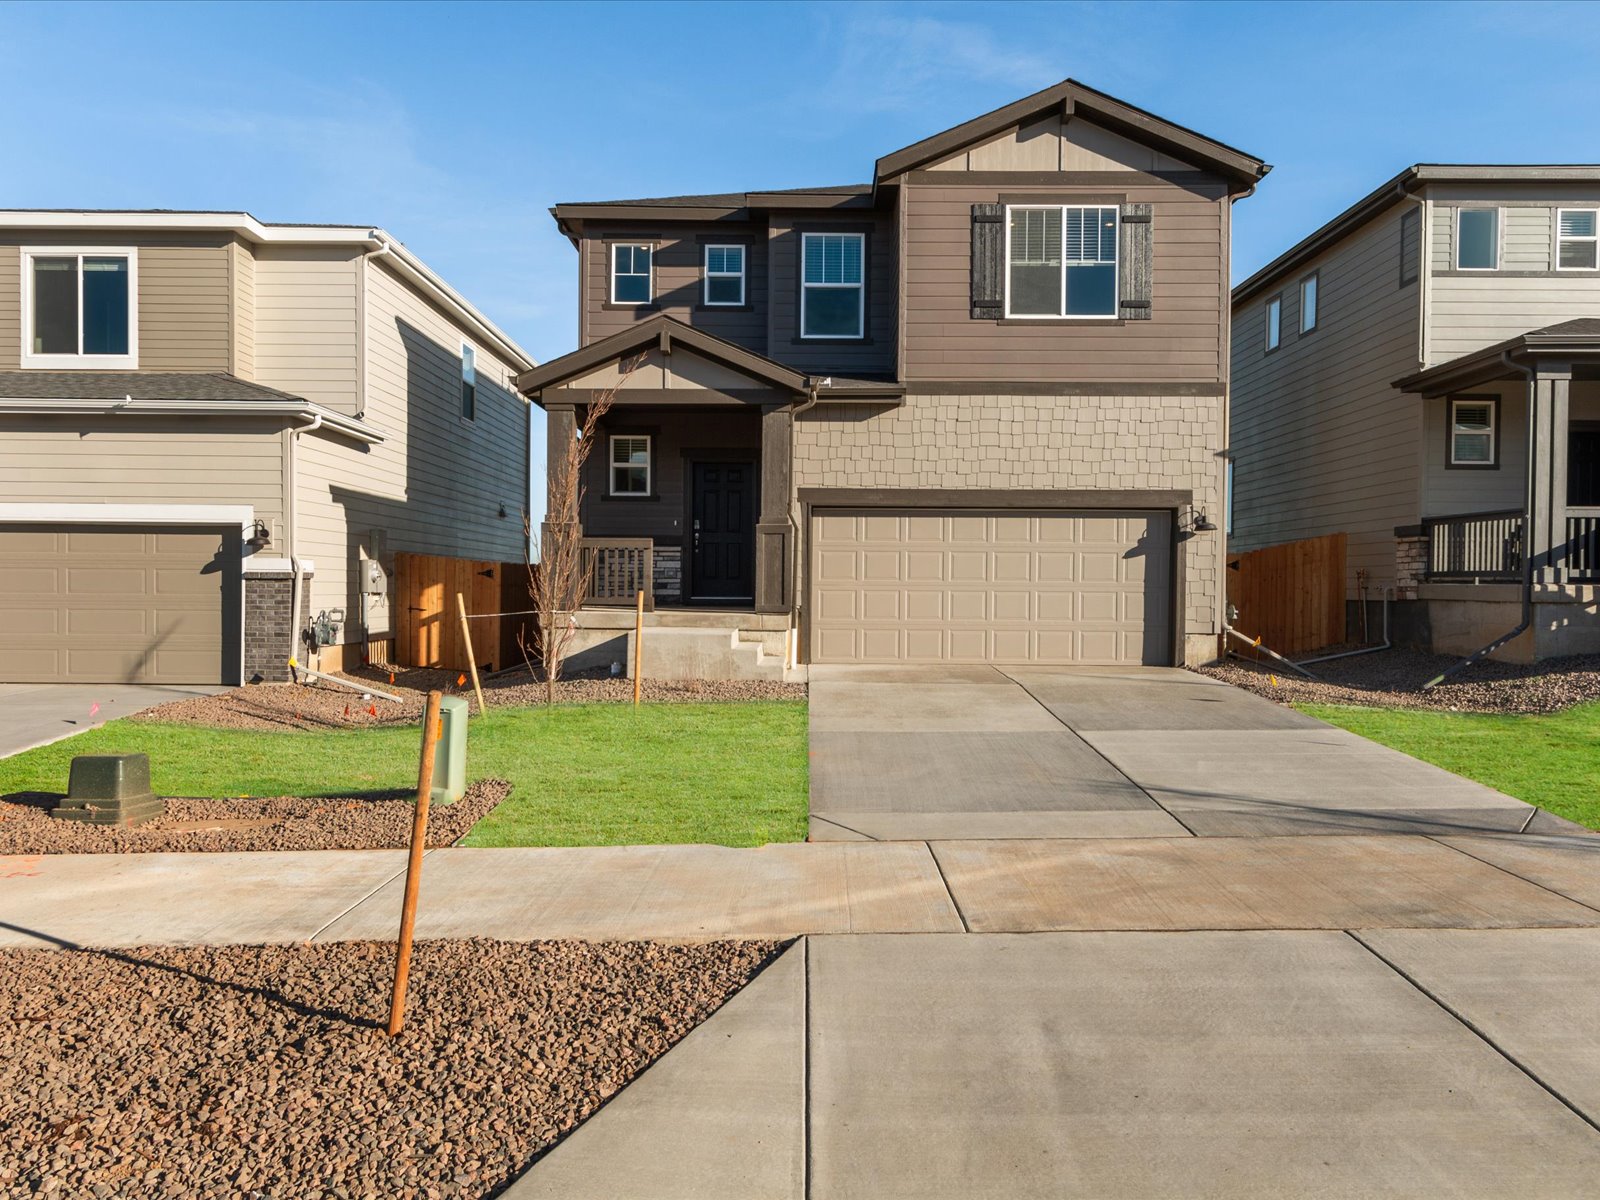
point(988, 262)
point(1134, 265)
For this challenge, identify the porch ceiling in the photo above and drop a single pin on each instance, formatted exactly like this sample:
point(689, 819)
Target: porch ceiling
point(1570, 341)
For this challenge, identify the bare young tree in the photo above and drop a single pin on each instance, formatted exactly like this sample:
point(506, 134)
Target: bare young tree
point(559, 571)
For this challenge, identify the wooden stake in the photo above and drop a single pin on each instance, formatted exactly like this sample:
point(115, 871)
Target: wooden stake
point(472, 659)
point(638, 648)
point(419, 840)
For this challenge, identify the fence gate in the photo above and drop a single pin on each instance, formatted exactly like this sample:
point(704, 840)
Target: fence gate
point(427, 627)
point(1291, 596)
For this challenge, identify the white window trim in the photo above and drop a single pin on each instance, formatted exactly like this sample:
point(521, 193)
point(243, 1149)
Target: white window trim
point(650, 279)
point(1499, 237)
point(612, 464)
point(709, 275)
point(1314, 278)
point(1494, 432)
point(90, 362)
point(1268, 341)
point(1595, 238)
point(1062, 314)
point(861, 290)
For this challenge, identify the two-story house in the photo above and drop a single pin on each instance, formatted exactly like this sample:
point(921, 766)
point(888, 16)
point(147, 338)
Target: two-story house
point(201, 411)
point(971, 411)
point(1422, 373)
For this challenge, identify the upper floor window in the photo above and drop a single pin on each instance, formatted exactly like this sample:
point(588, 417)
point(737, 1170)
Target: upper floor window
point(469, 382)
point(1477, 239)
point(1061, 261)
point(833, 293)
point(80, 308)
point(630, 465)
point(1274, 322)
point(1308, 303)
point(724, 275)
point(1576, 239)
point(1473, 432)
point(630, 274)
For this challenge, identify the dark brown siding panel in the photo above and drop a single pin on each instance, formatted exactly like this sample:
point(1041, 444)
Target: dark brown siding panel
point(873, 355)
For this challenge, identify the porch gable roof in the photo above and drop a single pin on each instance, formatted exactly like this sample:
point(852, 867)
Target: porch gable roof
point(1575, 339)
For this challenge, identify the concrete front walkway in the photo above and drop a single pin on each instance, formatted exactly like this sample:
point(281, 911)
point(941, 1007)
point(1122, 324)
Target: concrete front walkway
point(36, 714)
point(913, 753)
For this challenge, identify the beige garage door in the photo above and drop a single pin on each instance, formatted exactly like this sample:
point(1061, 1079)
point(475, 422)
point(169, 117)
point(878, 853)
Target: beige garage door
point(918, 585)
point(114, 604)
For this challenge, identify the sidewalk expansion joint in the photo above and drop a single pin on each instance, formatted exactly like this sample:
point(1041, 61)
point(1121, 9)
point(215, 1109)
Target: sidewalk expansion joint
point(805, 1070)
point(1504, 870)
point(948, 890)
point(1473, 1029)
point(357, 903)
point(843, 826)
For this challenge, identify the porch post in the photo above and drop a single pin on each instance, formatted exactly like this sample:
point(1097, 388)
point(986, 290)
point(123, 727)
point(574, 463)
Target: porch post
point(1547, 540)
point(774, 529)
point(561, 431)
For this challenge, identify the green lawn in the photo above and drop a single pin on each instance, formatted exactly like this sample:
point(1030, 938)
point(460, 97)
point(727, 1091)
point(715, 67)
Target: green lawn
point(1552, 760)
point(585, 774)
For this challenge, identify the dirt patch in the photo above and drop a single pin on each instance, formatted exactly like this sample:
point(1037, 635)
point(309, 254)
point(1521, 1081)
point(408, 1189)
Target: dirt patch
point(379, 822)
point(1394, 679)
point(263, 1071)
point(320, 705)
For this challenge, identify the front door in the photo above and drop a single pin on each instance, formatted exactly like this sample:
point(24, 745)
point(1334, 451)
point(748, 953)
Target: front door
point(1583, 466)
point(723, 532)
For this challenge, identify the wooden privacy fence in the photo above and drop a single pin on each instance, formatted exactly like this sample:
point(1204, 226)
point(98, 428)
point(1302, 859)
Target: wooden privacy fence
point(1291, 596)
point(428, 630)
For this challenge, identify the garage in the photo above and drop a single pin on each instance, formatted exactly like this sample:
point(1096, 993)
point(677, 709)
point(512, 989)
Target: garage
point(925, 585)
point(119, 604)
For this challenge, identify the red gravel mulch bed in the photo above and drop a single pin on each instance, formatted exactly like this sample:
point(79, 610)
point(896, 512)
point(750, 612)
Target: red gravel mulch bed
point(255, 1072)
point(280, 823)
point(1394, 679)
point(319, 705)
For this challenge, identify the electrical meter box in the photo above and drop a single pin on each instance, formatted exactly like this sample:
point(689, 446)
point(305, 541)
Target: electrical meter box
point(374, 579)
point(450, 758)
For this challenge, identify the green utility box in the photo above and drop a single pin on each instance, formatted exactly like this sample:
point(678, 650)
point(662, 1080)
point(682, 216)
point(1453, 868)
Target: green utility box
point(450, 759)
point(109, 789)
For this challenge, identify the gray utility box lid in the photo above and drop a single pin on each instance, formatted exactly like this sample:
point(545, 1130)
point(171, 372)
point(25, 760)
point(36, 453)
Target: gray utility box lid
point(110, 789)
point(450, 759)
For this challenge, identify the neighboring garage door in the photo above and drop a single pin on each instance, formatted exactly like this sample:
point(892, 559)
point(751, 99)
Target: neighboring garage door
point(118, 604)
point(920, 585)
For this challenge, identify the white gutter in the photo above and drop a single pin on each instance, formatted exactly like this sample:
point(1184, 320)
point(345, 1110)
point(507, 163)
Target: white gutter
point(295, 409)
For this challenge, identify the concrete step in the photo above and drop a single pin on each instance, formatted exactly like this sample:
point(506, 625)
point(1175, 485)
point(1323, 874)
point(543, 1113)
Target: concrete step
point(683, 618)
point(705, 654)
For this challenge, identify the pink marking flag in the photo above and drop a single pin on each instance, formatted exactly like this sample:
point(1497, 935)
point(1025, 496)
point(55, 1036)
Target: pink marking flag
point(94, 708)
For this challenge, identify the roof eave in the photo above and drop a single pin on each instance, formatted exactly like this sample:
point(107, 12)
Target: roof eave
point(296, 409)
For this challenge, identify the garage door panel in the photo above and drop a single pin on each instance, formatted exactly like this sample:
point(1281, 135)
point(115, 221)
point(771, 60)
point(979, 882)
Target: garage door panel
point(1008, 587)
point(28, 581)
point(114, 622)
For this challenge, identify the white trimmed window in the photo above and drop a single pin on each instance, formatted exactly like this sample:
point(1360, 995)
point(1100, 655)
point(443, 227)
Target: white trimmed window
point(1472, 433)
point(724, 275)
point(833, 292)
point(469, 382)
point(80, 308)
point(1477, 239)
point(1308, 303)
point(1274, 322)
point(630, 274)
point(1576, 243)
point(630, 465)
point(1061, 261)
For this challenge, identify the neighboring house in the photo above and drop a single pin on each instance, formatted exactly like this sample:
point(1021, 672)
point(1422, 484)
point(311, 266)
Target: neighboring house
point(1390, 373)
point(197, 408)
point(972, 411)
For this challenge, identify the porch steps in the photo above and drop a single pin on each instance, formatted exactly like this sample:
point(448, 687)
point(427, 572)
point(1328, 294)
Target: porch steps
point(685, 644)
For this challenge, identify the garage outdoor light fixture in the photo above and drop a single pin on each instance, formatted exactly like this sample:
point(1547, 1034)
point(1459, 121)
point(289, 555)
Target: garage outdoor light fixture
point(260, 537)
point(1195, 521)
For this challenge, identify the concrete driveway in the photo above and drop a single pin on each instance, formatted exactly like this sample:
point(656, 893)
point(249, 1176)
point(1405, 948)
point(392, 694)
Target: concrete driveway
point(35, 714)
point(917, 753)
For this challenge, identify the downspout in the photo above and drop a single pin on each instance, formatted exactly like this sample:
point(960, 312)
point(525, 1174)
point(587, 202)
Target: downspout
point(1527, 535)
point(792, 652)
point(292, 503)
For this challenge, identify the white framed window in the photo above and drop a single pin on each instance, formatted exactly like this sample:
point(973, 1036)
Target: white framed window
point(630, 273)
point(1477, 239)
point(80, 308)
point(630, 464)
point(1577, 248)
point(1308, 303)
point(1061, 261)
point(724, 270)
point(469, 382)
point(833, 292)
point(1474, 432)
point(1274, 323)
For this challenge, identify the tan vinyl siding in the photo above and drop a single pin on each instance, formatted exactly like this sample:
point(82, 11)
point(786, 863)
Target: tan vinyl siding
point(1321, 442)
point(306, 321)
point(144, 460)
point(436, 484)
point(1181, 343)
point(872, 355)
point(244, 310)
point(10, 306)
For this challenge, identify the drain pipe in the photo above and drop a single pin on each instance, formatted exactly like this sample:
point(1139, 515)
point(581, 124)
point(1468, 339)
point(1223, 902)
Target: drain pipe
point(292, 502)
point(1527, 558)
point(1272, 654)
point(1388, 594)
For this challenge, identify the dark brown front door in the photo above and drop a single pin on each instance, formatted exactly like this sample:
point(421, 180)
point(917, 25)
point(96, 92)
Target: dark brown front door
point(1583, 465)
point(722, 533)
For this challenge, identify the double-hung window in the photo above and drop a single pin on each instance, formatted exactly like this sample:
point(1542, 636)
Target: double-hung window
point(80, 308)
point(1576, 230)
point(724, 275)
point(1274, 323)
point(1061, 261)
point(630, 465)
point(833, 293)
point(1473, 430)
point(469, 382)
point(630, 274)
point(1308, 303)
point(1477, 239)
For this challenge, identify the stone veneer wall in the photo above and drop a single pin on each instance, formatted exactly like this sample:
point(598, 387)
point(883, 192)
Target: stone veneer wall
point(1090, 442)
point(267, 614)
point(668, 572)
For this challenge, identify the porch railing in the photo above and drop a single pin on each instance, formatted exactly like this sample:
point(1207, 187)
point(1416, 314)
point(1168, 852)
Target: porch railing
point(1475, 546)
point(618, 569)
point(1583, 544)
